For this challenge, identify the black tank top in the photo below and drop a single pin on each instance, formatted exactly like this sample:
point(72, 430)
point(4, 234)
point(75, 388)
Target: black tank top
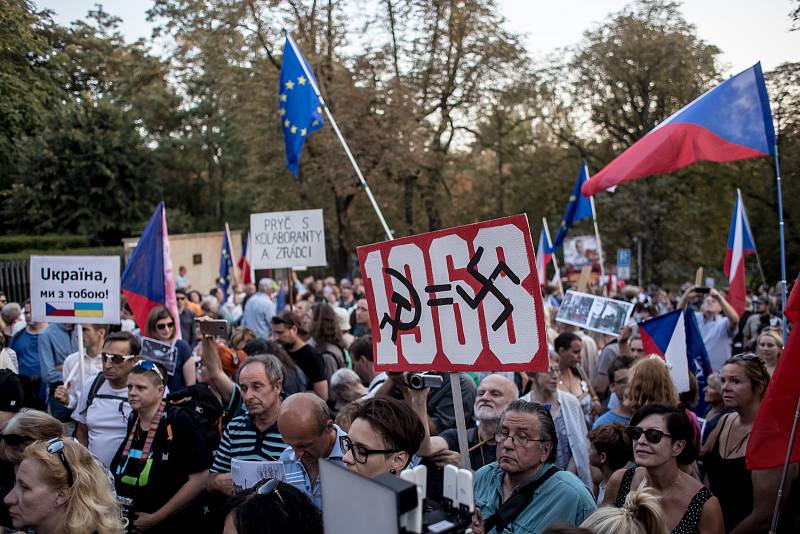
point(731, 483)
point(690, 521)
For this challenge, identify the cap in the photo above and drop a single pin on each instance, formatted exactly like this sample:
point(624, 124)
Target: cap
point(342, 319)
point(11, 392)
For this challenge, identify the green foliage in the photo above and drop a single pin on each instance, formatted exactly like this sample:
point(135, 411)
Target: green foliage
point(16, 243)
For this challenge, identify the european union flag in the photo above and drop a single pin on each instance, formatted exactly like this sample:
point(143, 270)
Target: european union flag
point(225, 265)
point(299, 106)
point(579, 207)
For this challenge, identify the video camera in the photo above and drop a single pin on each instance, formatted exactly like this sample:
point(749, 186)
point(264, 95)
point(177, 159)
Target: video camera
point(394, 505)
point(423, 380)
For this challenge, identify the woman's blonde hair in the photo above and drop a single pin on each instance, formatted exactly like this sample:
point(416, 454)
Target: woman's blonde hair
point(641, 514)
point(649, 382)
point(30, 424)
point(91, 505)
point(774, 334)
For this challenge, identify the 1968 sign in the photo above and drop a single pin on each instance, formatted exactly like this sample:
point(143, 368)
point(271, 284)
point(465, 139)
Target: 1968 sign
point(461, 299)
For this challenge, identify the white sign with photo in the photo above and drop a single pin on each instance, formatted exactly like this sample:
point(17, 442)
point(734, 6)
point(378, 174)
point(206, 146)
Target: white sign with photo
point(248, 473)
point(157, 351)
point(284, 239)
point(593, 312)
point(75, 289)
point(580, 251)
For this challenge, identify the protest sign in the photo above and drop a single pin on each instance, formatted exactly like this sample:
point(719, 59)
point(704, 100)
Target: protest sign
point(592, 312)
point(624, 263)
point(158, 351)
point(461, 299)
point(248, 473)
point(287, 239)
point(579, 252)
point(75, 289)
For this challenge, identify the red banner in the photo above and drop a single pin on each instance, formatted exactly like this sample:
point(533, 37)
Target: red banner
point(461, 299)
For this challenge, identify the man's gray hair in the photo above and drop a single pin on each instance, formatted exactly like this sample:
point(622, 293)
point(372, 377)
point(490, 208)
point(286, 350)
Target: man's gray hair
point(547, 428)
point(265, 284)
point(344, 377)
point(272, 366)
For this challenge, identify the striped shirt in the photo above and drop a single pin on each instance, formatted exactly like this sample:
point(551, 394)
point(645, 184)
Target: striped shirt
point(242, 440)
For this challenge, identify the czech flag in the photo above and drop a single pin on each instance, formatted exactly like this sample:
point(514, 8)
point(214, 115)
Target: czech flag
point(730, 122)
point(543, 256)
point(676, 337)
point(740, 244)
point(769, 439)
point(244, 261)
point(147, 279)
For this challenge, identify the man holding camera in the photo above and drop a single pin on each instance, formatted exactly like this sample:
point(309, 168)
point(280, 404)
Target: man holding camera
point(717, 321)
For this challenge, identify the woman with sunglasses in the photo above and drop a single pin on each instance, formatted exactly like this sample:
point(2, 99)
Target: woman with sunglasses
point(383, 437)
point(60, 489)
point(162, 465)
point(741, 492)
point(161, 326)
point(272, 507)
point(21, 430)
point(663, 439)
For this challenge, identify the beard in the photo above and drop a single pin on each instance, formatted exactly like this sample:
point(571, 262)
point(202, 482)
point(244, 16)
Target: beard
point(487, 413)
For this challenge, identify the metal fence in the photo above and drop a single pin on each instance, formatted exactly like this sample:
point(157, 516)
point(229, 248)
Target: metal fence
point(14, 278)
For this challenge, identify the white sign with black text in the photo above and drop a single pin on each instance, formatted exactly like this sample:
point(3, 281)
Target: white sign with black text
point(284, 239)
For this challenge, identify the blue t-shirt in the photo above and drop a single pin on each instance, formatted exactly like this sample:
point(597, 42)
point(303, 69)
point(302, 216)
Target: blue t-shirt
point(176, 381)
point(26, 345)
point(610, 417)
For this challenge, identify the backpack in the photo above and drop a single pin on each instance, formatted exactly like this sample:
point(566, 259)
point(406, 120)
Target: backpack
point(332, 359)
point(201, 405)
point(98, 381)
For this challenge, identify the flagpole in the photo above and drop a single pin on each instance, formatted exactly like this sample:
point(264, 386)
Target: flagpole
point(740, 200)
point(230, 249)
point(552, 256)
point(335, 126)
point(776, 513)
point(783, 245)
point(597, 236)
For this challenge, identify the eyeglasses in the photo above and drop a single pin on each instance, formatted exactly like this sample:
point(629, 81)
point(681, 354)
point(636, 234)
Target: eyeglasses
point(268, 487)
point(116, 358)
point(360, 453)
point(180, 298)
point(56, 446)
point(652, 435)
point(516, 439)
point(150, 366)
point(15, 440)
point(748, 357)
point(164, 326)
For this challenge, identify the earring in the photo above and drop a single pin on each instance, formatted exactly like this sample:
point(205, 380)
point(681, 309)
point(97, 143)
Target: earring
point(393, 471)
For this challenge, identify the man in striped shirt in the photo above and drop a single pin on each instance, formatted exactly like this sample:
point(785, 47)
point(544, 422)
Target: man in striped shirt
point(254, 435)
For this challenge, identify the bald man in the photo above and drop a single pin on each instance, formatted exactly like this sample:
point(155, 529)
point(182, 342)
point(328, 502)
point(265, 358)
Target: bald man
point(495, 392)
point(306, 426)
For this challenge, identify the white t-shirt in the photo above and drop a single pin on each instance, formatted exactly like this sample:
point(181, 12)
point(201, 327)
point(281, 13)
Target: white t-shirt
point(716, 334)
point(91, 366)
point(106, 419)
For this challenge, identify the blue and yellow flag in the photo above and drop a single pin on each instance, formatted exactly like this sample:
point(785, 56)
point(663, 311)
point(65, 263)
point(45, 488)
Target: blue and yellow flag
point(579, 207)
point(299, 106)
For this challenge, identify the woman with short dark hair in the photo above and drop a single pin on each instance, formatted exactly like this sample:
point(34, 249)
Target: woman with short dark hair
point(272, 507)
point(385, 434)
point(663, 439)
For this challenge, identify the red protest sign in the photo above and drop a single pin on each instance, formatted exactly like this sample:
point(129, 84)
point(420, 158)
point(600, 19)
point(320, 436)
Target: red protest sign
point(461, 299)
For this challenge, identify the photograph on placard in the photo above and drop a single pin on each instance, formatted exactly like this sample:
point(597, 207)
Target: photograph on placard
point(248, 473)
point(160, 352)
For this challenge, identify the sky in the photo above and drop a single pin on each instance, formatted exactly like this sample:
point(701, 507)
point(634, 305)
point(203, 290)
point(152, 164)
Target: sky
point(743, 32)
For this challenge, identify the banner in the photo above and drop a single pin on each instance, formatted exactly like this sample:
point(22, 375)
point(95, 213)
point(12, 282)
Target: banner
point(595, 313)
point(287, 239)
point(75, 289)
point(461, 299)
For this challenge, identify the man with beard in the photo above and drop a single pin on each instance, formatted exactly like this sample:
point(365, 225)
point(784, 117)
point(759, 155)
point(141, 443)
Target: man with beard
point(286, 327)
point(253, 435)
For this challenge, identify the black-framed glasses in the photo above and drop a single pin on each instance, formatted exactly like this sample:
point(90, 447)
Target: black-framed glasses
point(652, 435)
point(56, 446)
point(15, 440)
point(518, 440)
point(116, 358)
point(360, 453)
point(268, 486)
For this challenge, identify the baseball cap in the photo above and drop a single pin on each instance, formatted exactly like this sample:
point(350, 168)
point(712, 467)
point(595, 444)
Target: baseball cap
point(11, 392)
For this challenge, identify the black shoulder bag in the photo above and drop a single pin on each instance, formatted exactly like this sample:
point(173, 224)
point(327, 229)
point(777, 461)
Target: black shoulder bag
point(514, 505)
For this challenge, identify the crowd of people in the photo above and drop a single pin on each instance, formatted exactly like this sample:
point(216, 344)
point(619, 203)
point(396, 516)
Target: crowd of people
point(600, 442)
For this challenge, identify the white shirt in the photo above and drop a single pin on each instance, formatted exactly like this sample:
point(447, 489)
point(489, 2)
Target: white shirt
point(374, 385)
point(106, 419)
point(91, 366)
point(716, 334)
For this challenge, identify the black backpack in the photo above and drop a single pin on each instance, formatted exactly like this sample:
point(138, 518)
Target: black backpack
point(201, 405)
point(98, 381)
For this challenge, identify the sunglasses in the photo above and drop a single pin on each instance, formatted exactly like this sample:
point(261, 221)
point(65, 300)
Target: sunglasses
point(150, 366)
point(652, 435)
point(116, 358)
point(748, 357)
point(56, 446)
point(15, 440)
point(268, 487)
point(164, 326)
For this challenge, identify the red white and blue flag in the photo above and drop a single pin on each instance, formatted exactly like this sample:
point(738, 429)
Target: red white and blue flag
point(244, 261)
point(740, 244)
point(147, 279)
point(730, 122)
point(543, 256)
point(676, 337)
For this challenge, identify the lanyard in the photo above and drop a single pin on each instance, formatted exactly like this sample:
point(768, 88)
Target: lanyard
point(148, 442)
